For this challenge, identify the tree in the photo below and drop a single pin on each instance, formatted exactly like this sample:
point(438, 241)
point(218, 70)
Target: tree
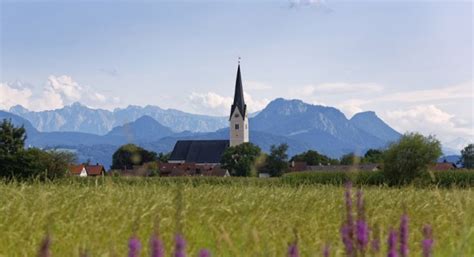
point(277, 161)
point(312, 157)
point(12, 139)
point(409, 158)
point(350, 159)
point(164, 157)
point(19, 163)
point(239, 159)
point(128, 155)
point(467, 156)
point(373, 156)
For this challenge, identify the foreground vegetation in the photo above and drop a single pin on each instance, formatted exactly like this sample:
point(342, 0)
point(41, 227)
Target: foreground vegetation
point(228, 216)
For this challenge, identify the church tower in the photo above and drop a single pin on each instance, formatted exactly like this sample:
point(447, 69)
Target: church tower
point(239, 123)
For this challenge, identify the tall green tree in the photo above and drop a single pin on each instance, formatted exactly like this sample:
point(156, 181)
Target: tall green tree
point(373, 156)
point(12, 139)
point(277, 161)
point(409, 158)
point(20, 163)
point(129, 155)
point(312, 157)
point(240, 159)
point(467, 156)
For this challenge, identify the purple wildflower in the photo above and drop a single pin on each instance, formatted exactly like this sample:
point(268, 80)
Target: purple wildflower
point(348, 196)
point(427, 241)
point(360, 205)
point(156, 246)
point(134, 246)
point(362, 231)
point(180, 246)
point(44, 248)
point(404, 236)
point(346, 231)
point(204, 253)
point(392, 244)
point(293, 250)
point(326, 250)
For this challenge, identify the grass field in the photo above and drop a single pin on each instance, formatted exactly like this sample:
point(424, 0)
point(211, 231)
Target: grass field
point(243, 217)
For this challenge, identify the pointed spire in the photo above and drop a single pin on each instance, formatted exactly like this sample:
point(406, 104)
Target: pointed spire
point(239, 96)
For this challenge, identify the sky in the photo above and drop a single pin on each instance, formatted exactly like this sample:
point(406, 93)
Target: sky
point(409, 61)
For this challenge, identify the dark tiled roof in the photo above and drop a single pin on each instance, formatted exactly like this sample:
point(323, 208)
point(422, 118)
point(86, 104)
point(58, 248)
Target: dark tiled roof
point(239, 97)
point(199, 151)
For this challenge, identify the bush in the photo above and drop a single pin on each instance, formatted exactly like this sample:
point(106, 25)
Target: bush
point(129, 155)
point(408, 159)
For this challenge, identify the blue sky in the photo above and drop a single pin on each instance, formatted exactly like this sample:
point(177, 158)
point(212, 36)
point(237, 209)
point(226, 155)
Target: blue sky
point(411, 62)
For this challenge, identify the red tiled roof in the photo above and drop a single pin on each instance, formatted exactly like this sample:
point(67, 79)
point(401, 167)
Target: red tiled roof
point(95, 170)
point(76, 169)
point(444, 166)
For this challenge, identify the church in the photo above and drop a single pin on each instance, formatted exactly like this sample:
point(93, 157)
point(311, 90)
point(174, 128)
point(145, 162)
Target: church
point(209, 152)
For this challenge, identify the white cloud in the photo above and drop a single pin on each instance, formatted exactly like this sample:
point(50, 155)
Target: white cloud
point(57, 92)
point(211, 103)
point(352, 106)
point(10, 96)
point(428, 119)
point(459, 91)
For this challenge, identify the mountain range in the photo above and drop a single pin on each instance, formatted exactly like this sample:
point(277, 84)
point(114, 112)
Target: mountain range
point(80, 118)
point(95, 134)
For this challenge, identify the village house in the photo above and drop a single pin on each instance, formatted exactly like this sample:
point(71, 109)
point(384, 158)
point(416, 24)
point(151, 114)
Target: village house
point(443, 166)
point(83, 170)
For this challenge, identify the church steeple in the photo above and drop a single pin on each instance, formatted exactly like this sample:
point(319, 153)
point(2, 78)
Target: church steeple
point(239, 101)
point(238, 119)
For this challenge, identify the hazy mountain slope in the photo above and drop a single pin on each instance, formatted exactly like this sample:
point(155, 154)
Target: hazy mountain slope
point(323, 128)
point(372, 124)
point(79, 118)
point(144, 128)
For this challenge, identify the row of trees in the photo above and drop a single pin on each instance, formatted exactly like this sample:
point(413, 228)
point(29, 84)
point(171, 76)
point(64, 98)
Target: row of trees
point(247, 159)
point(16, 162)
point(403, 161)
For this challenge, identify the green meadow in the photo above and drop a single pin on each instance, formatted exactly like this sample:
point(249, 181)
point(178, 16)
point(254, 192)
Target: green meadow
point(231, 216)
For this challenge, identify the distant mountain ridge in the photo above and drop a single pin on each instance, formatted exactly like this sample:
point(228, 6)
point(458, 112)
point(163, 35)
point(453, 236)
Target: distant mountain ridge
point(80, 118)
point(323, 128)
point(302, 126)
